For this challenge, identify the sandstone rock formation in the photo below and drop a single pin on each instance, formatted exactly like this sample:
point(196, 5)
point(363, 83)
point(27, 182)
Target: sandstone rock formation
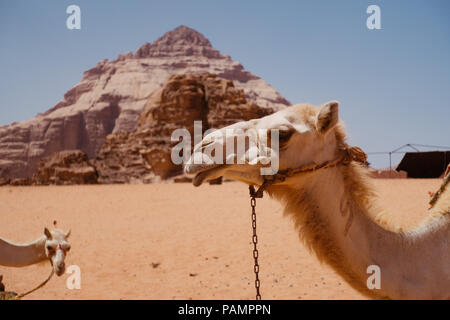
point(145, 155)
point(120, 159)
point(64, 168)
point(111, 96)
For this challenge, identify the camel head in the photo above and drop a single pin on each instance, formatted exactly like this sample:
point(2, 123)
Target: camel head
point(307, 135)
point(56, 248)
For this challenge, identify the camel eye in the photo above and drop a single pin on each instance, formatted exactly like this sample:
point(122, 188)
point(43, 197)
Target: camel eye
point(65, 246)
point(285, 133)
point(50, 248)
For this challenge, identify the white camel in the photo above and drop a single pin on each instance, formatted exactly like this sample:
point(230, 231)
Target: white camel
point(52, 245)
point(331, 200)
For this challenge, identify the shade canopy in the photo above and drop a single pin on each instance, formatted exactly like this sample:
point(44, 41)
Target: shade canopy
point(424, 164)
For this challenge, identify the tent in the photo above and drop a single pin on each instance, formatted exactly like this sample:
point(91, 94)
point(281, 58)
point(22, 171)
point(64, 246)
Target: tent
point(430, 164)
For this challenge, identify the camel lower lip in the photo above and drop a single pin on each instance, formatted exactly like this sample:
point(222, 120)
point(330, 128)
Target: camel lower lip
point(203, 175)
point(199, 178)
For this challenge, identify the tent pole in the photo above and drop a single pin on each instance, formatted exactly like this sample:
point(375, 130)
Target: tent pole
point(390, 165)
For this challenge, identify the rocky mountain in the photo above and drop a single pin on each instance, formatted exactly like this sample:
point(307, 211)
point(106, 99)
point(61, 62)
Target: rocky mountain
point(64, 168)
point(111, 96)
point(145, 155)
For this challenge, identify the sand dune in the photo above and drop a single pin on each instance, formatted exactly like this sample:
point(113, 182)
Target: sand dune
point(174, 241)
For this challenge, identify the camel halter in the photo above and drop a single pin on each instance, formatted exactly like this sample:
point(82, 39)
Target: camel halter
point(349, 154)
point(58, 248)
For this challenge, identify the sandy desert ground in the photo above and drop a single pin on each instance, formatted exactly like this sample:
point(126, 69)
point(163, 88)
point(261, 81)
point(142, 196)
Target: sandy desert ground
point(174, 241)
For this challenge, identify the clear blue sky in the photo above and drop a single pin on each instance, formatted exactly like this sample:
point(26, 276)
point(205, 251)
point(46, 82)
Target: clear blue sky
point(393, 84)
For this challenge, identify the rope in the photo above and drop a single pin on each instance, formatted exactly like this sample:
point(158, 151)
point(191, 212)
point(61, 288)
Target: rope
point(14, 296)
point(348, 155)
point(355, 153)
point(441, 190)
point(20, 296)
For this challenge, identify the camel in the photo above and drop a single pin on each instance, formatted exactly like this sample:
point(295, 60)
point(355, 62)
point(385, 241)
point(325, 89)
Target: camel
point(332, 203)
point(52, 245)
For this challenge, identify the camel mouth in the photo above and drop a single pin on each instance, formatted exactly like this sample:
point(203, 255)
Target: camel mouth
point(60, 271)
point(206, 174)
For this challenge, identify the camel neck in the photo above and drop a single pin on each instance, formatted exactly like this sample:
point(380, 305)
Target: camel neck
point(20, 255)
point(335, 213)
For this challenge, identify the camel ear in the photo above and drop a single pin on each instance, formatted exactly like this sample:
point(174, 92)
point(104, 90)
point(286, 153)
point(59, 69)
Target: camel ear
point(47, 233)
point(327, 117)
point(68, 233)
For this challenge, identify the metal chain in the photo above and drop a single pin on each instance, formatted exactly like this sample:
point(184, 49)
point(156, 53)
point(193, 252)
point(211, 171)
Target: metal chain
point(255, 242)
